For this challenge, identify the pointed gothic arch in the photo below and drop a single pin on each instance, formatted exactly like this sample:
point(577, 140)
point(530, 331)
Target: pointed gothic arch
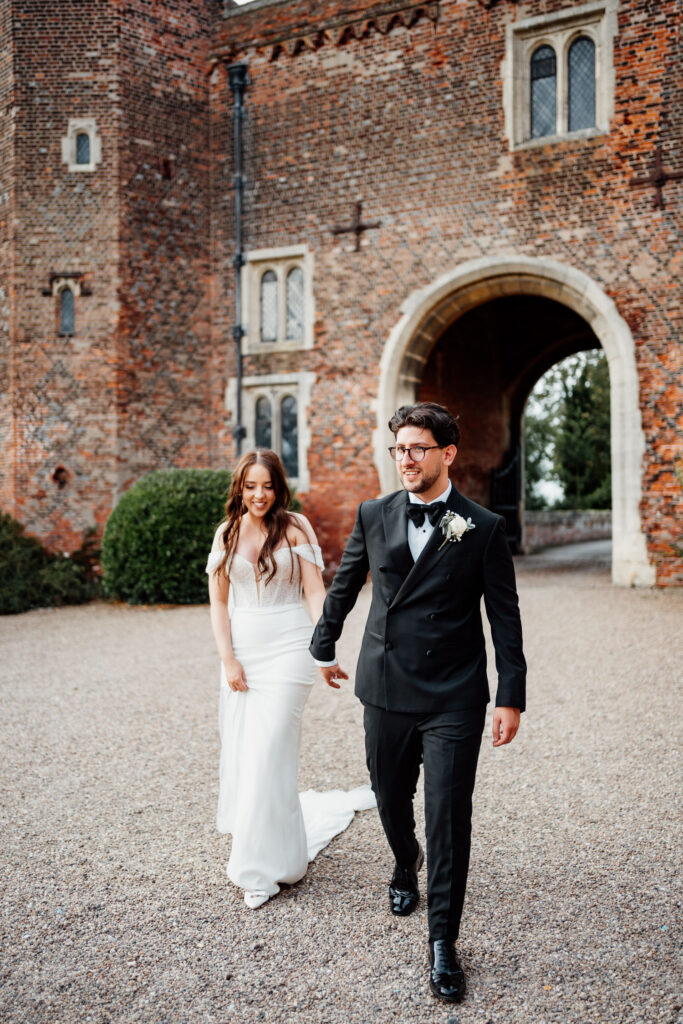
point(427, 312)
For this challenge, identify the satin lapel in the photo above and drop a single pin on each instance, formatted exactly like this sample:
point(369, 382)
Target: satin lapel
point(431, 553)
point(396, 533)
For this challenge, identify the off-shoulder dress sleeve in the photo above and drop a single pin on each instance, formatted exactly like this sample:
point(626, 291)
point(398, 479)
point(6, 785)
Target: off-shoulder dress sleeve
point(311, 552)
point(217, 551)
point(213, 561)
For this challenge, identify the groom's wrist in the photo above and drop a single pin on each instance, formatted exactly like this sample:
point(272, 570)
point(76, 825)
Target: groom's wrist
point(325, 664)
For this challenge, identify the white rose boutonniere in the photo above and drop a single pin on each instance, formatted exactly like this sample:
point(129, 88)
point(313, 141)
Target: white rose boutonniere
point(453, 527)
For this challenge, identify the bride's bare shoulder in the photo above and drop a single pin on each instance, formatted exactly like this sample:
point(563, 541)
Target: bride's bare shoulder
point(218, 537)
point(300, 530)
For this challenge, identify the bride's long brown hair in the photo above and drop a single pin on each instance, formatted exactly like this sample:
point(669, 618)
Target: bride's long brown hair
point(277, 518)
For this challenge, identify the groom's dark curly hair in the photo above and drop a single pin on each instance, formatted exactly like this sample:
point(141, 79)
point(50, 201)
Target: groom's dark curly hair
point(428, 416)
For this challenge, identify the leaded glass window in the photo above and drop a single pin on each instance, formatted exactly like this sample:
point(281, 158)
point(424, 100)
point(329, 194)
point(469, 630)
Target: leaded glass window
point(82, 148)
point(581, 84)
point(67, 312)
point(295, 304)
point(289, 434)
point(263, 425)
point(543, 92)
point(269, 316)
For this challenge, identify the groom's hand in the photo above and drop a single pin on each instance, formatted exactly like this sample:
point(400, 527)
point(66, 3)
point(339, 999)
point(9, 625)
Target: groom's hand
point(331, 673)
point(505, 725)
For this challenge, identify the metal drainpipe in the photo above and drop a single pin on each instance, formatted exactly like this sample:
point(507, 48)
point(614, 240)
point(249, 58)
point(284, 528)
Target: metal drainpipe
point(237, 76)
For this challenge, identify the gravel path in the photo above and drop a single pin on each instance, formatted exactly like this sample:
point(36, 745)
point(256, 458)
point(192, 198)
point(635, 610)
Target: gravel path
point(116, 905)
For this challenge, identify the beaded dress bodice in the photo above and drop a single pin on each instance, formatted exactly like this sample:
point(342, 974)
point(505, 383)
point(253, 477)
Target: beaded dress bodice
point(249, 590)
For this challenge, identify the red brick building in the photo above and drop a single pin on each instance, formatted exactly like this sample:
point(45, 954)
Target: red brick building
point(518, 166)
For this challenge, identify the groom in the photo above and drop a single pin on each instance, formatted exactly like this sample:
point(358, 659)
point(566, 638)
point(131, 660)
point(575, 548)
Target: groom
point(421, 673)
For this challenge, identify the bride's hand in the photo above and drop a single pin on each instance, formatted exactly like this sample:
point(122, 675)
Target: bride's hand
point(234, 674)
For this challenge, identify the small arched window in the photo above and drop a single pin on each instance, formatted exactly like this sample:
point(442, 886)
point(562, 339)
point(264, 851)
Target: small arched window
point(269, 304)
point(581, 84)
point(295, 304)
point(543, 74)
point(263, 426)
point(289, 435)
point(82, 148)
point(67, 312)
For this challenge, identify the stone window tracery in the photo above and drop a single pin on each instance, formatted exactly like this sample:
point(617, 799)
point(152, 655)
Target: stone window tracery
point(82, 145)
point(277, 305)
point(274, 414)
point(558, 74)
point(65, 289)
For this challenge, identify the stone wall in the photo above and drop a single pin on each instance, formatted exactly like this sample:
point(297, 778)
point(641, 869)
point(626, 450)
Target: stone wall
point(545, 529)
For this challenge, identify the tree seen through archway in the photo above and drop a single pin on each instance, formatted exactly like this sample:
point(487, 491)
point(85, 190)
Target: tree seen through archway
point(567, 436)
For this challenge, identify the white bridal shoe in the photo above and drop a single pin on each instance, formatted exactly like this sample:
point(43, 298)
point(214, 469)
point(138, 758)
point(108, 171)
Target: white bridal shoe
point(256, 898)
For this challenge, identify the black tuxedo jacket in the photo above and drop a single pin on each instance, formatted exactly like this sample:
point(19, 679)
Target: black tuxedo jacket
point(423, 648)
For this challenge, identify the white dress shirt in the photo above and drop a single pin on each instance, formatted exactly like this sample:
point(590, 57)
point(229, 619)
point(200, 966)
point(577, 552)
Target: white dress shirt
point(419, 535)
point(417, 540)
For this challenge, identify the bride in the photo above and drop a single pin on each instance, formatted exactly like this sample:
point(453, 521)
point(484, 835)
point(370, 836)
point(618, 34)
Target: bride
point(261, 559)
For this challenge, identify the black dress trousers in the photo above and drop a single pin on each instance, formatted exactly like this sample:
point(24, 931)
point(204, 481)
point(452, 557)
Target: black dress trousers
point(447, 744)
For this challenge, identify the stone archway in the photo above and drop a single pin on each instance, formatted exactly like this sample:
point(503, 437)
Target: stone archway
point(429, 311)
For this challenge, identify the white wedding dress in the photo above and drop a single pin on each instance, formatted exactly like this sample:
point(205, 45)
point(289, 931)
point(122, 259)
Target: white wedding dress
point(275, 831)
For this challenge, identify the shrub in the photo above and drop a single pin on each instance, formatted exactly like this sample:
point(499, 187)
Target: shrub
point(157, 539)
point(32, 577)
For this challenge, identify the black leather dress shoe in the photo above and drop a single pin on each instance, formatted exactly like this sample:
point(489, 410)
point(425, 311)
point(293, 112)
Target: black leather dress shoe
point(403, 891)
point(446, 977)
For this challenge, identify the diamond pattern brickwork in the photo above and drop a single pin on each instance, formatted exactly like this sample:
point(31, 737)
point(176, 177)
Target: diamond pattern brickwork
point(411, 123)
point(393, 103)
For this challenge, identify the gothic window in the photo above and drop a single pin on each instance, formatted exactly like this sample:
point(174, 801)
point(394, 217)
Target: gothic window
point(269, 306)
point(295, 304)
point(67, 312)
point(263, 423)
point(82, 148)
point(558, 74)
point(581, 84)
point(82, 145)
point(277, 309)
point(274, 411)
point(543, 92)
point(289, 435)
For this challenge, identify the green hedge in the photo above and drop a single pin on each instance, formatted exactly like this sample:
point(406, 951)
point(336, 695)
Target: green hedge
point(31, 577)
point(157, 539)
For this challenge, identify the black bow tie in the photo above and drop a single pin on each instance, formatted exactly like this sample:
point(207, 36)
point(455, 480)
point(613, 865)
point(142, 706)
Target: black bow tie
point(418, 513)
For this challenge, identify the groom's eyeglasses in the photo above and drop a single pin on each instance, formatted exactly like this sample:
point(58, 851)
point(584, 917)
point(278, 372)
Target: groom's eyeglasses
point(416, 453)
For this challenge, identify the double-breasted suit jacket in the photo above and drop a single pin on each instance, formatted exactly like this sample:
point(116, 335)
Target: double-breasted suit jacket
point(423, 649)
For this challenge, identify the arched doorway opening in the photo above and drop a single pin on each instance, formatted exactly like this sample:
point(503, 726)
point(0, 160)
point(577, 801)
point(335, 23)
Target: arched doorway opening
point(484, 365)
point(479, 338)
